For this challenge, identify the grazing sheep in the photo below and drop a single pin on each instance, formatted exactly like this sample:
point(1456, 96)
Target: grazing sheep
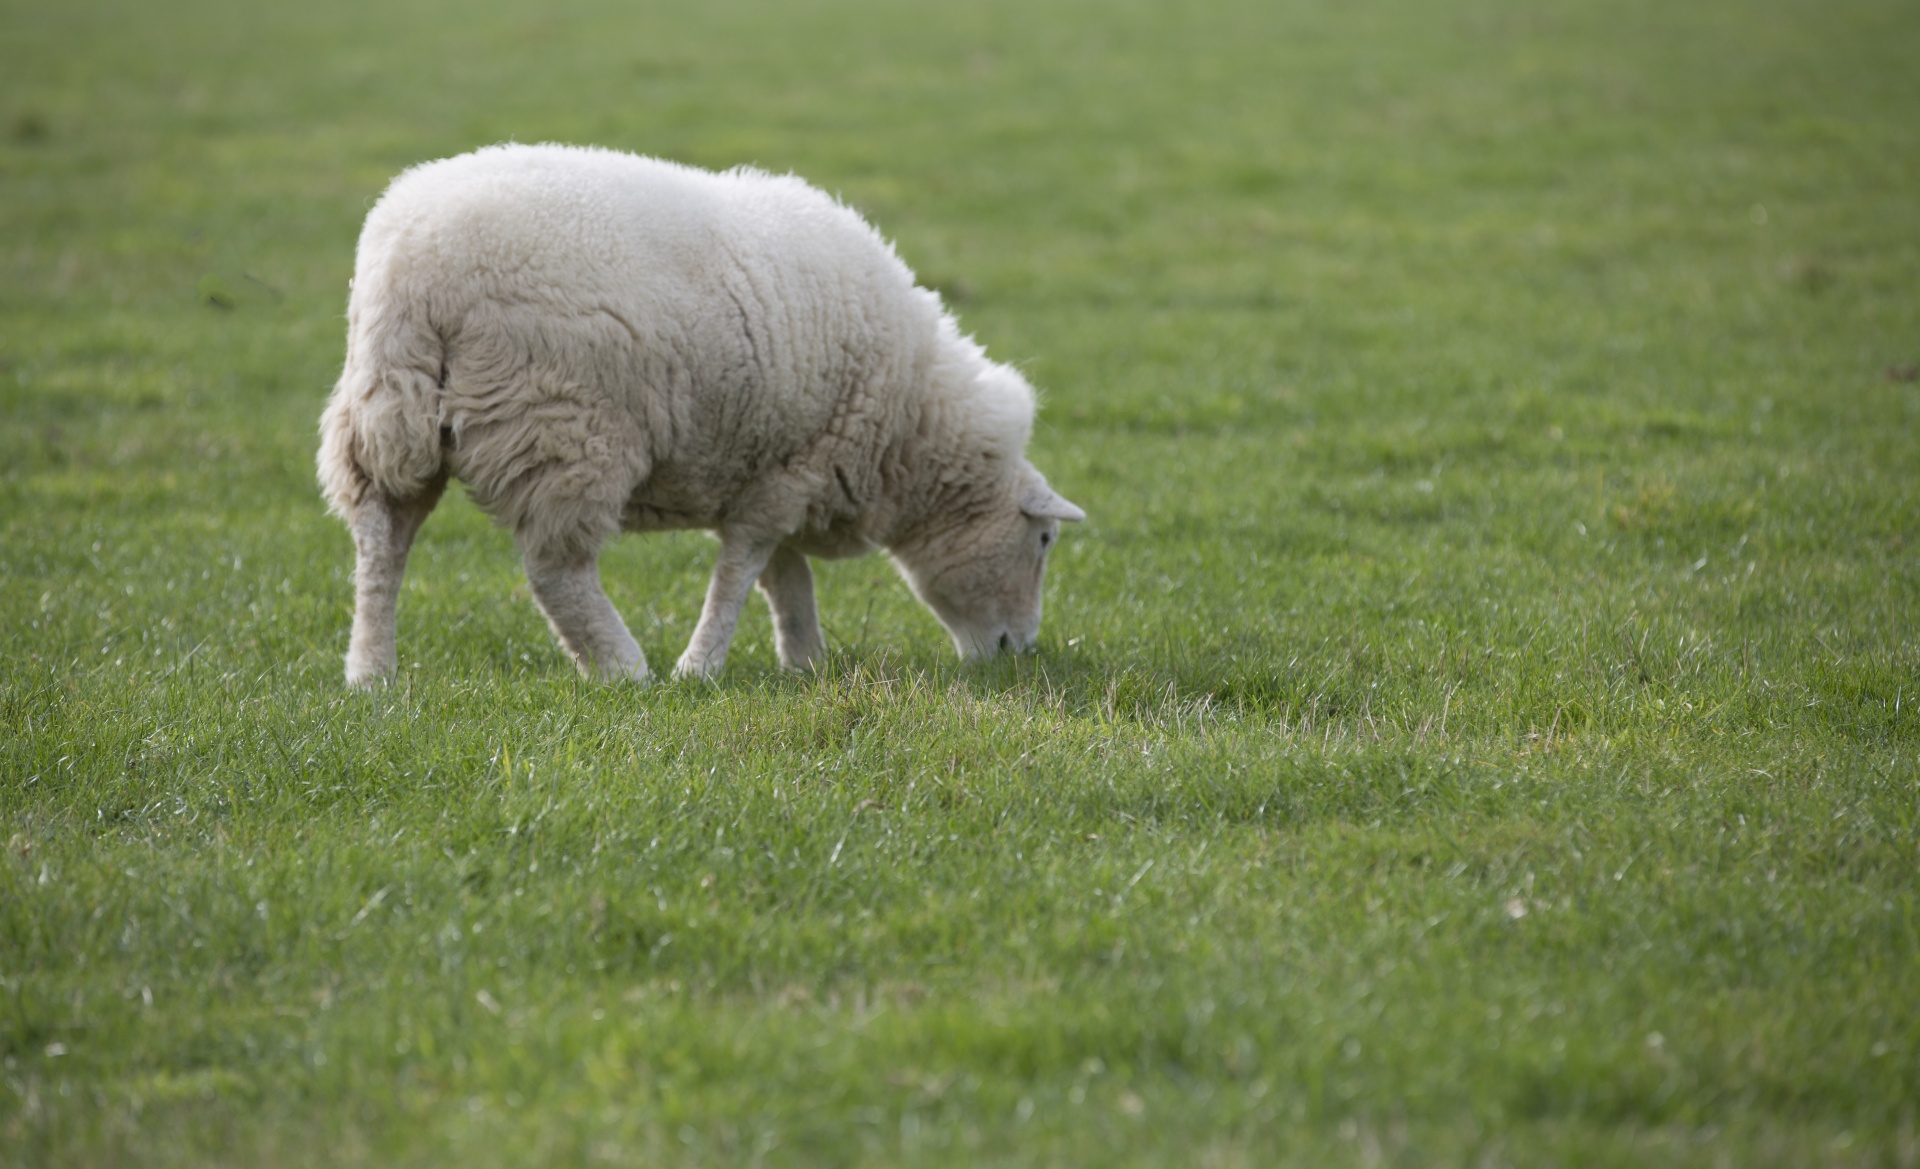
point(594, 341)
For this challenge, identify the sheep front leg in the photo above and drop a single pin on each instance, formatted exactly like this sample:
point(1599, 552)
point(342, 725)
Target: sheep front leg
point(383, 531)
point(740, 564)
point(568, 592)
point(788, 585)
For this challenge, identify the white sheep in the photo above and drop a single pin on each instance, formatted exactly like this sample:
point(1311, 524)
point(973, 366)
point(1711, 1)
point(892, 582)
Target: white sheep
point(594, 341)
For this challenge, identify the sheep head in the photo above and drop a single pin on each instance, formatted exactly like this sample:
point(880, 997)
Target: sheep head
point(981, 573)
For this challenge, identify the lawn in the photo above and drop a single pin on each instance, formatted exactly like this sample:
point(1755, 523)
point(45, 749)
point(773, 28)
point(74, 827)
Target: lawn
point(1475, 726)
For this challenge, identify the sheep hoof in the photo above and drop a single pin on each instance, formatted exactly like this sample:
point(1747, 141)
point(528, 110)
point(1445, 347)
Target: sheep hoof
point(637, 675)
point(700, 669)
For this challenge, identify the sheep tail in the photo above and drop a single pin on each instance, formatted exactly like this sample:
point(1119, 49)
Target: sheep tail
point(381, 432)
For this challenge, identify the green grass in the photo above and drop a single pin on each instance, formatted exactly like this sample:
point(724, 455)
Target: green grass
point(1477, 724)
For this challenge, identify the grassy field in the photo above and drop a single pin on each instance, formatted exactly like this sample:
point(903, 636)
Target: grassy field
point(1476, 726)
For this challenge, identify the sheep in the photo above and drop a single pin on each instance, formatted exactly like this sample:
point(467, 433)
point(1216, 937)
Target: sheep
point(593, 342)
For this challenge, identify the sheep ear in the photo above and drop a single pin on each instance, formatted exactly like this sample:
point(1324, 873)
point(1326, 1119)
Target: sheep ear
point(1044, 503)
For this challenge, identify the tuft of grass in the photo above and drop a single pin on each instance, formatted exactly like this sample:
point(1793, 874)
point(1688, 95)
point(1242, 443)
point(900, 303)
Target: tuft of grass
point(1477, 723)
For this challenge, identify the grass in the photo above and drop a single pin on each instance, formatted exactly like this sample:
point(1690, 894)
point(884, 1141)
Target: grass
point(1476, 725)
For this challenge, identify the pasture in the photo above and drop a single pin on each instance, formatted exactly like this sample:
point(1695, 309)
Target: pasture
point(1475, 726)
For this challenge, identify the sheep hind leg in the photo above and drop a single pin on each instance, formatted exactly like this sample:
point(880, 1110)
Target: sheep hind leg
point(568, 591)
point(383, 531)
point(787, 582)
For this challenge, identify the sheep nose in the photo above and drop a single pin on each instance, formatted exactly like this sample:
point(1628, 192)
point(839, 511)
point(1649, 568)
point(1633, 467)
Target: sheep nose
point(1006, 641)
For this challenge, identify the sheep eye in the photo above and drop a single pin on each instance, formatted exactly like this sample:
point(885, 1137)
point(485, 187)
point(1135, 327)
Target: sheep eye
point(1046, 538)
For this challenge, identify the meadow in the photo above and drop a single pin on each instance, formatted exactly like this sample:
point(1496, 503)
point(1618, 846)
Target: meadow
point(1475, 726)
